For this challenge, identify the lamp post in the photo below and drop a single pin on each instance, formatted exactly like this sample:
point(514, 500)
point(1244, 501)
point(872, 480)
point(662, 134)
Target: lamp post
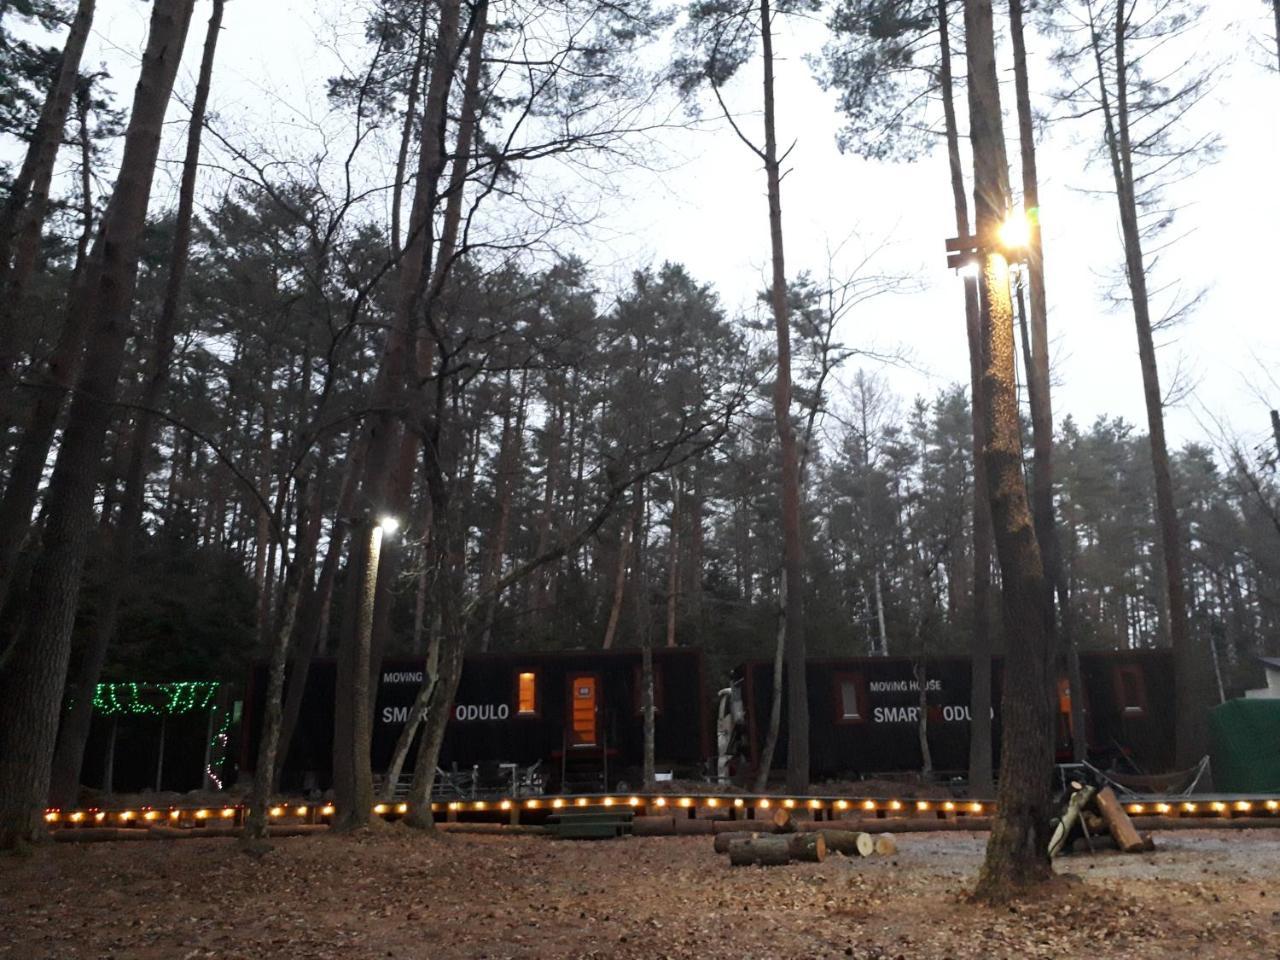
point(362, 695)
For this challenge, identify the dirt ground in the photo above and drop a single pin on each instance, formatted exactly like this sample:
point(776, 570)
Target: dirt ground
point(395, 894)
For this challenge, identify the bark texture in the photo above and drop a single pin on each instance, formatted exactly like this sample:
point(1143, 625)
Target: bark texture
point(1016, 853)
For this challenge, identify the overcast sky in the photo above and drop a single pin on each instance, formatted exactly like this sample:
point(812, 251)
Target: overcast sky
point(702, 203)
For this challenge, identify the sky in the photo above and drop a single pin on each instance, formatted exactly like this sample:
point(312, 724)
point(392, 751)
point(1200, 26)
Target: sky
point(699, 200)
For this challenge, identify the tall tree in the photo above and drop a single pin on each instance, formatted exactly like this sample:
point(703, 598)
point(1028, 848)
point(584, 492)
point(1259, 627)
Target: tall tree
point(720, 36)
point(1135, 65)
point(74, 732)
point(24, 210)
point(32, 685)
point(1016, 853)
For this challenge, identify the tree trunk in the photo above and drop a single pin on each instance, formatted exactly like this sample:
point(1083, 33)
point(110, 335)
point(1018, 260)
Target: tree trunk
point(1190, 666)
point(24, 211)
point(69, 754)
point(388, 397)
point(1038, 369)
point(1016, 854)
point(620, 577)
point(32, 685)
point(980, 772)
point(313, 628)
point(255, 826)
point(792, 551)
point(508, 456)
point(775, 703)
point(922, 721)
point(673, 563)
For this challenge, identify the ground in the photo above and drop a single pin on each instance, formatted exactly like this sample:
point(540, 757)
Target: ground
point(397, 894)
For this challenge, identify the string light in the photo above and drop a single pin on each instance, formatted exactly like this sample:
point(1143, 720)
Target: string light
point(154, 699)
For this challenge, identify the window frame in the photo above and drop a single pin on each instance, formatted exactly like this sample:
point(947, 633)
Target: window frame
point(1139, 707)
point(859, 681)
point(536, 712)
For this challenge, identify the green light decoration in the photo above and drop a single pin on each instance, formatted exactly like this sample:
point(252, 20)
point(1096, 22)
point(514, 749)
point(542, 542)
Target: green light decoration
point(154, 699)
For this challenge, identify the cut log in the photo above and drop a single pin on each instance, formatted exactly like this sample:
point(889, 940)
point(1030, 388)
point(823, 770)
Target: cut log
point(1122, 829)
point(899, 825)
point(783, 822)
point(761, 851)
point(743, 826)
point(651, 826)
point(1206, 823)
point(865, 844)
point(686, 827)
point(722, 840)
point(886, 845)
point(842, 841)
point(807, 847)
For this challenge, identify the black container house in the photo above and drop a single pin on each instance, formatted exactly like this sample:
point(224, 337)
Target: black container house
point(577, 715)
point(864, 713)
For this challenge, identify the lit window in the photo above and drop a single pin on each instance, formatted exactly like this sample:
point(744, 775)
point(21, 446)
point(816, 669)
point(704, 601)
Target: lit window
point(527, 694)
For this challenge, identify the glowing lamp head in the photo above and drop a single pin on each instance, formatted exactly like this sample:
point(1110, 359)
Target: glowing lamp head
point(388, 525)
point(1015, 232)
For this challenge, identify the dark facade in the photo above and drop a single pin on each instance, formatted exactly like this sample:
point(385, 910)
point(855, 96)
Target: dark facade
point(577, 713)
point(864, 713)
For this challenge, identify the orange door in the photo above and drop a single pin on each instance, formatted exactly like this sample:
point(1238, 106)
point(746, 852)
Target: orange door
point(583, 710)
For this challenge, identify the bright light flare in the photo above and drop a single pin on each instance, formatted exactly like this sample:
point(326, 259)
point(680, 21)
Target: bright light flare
point(1015, 232)
point(389, 525)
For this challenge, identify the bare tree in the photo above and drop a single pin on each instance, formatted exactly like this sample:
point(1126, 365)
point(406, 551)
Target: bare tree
point(1133, 66)
point(721, 41)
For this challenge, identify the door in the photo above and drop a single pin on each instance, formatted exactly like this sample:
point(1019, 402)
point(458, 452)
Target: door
point(584, 709)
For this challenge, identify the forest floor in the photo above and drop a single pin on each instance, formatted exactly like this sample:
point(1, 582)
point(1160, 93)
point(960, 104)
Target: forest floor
point(396, 894)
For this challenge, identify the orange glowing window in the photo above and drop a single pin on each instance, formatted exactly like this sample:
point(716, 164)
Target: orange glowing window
point(527, 694)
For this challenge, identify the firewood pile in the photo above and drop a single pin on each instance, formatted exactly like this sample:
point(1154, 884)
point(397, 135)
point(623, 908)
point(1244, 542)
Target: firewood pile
point(780, 841)
point(1095, 820)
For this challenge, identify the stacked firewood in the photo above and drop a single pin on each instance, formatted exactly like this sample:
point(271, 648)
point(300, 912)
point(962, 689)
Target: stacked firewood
point(1095, 820)
point(781, 842)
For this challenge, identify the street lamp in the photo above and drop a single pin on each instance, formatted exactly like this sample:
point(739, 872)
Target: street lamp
point(388, 525)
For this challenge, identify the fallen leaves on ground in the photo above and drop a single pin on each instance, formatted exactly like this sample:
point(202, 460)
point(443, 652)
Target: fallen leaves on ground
point(399, 894)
